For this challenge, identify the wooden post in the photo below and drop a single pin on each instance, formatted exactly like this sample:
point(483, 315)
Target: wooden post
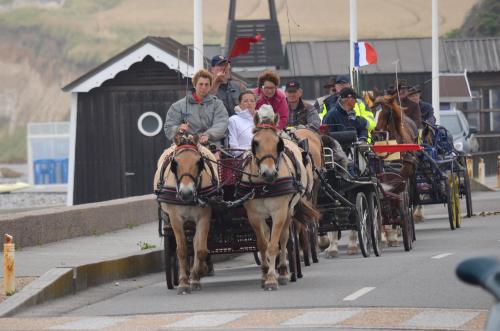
point(498, 171)
point(480, 170)
point(9, 276)
point(470, 166)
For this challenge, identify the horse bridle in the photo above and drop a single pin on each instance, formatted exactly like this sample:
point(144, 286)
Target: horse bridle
point(201, 165)
point(276, 159)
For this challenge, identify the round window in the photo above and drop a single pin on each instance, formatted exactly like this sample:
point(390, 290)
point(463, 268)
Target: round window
point(149, 124)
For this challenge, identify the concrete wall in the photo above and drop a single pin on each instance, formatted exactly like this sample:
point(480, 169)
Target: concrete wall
point(54, 224)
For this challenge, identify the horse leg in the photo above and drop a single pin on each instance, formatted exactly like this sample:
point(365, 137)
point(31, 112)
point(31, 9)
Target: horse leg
point(261, 230)
point(418, 214)
point(284, 276)
point(200, 268)
point(352, 246)
point(280, 220)
point(392, 236)
point(333, 249)
point(303, 231)
point(180, 239)
point(383, 236)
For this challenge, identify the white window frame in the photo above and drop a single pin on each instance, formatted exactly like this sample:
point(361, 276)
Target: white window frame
point(141, 128)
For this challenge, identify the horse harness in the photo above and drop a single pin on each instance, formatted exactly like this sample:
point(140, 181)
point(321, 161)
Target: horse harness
point(281, 186)
point(170, 194)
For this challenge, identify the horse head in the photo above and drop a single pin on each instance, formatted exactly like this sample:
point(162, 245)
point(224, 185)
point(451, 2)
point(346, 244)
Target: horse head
point(187, 166)
point(267, 145)
point(390, 119)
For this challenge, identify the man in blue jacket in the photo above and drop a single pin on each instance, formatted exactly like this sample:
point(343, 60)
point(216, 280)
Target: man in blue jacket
point(343, 116)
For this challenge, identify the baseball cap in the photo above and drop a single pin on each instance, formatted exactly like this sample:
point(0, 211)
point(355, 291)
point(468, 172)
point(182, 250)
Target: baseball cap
point(292, 86)
point(218, 59)
point(348, 92)
point(342, 79)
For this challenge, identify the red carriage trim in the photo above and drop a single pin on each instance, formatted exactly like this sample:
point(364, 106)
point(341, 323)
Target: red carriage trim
point(396, 148)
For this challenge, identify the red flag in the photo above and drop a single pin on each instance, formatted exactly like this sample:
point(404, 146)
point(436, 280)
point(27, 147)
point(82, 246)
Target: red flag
point(242, 45)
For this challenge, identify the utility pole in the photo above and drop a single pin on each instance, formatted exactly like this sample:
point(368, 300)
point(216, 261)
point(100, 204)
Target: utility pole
point(198, 36)
point(435, 60)
point(353, 34)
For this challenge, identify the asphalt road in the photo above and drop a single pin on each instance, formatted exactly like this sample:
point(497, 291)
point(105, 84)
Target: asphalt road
point(417, 289)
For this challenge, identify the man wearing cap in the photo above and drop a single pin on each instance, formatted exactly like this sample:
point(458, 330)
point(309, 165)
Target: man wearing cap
point(300, 112)
point(360, 108)
point(224, 87)
point(343, 116)
point(328, 101)
point(426, 110)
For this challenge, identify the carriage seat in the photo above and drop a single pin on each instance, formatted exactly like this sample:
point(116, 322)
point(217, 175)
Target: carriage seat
point(345, 138)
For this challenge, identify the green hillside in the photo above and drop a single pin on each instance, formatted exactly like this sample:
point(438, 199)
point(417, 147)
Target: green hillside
point(482, 21)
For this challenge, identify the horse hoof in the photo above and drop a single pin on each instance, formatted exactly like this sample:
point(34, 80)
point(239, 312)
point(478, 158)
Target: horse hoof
point(418, 219)
point(352, 250)
point(271, 287)
point(283, 280)
point(195, 287)
point(393, 243)
point(183, 290)
point(331, 254)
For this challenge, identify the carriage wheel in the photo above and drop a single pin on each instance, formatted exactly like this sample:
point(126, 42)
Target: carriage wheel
point(363, 224)
point(171, 263)
point(297, 251)
point(456, 205)
point(292, 257)
point(468, 198)
point(412, 222)
point(256, 257)
point(313, 241)
point(376, 217)
point(453, 200)
point(405, 220)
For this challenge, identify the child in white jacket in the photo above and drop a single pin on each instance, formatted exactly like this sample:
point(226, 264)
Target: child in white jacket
point(241, 124)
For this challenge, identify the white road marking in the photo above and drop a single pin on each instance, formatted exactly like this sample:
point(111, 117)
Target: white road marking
point(440, 256)
point(90, 323)
point(327, 317)
point(206, 320)
point(440, 319)
point(358, 293)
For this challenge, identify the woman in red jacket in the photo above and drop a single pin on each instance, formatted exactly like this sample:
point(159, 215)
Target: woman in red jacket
point(268, 92)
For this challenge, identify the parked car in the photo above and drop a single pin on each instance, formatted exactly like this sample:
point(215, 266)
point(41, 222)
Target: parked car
point(464, 137)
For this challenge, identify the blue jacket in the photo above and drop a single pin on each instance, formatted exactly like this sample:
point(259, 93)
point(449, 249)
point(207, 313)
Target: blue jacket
point(427, 112)
point(339, 116)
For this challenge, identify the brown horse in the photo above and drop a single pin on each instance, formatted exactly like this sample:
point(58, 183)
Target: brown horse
point(400, 127)
point(182, 168)
point(315, 152)
point(282, 196)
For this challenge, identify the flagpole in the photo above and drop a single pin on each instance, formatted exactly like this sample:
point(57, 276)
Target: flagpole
point(353, 33)
point(435, 60)
point(198, 36)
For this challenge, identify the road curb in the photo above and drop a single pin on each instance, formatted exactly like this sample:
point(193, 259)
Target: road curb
point(59, 282)
point(476, 186)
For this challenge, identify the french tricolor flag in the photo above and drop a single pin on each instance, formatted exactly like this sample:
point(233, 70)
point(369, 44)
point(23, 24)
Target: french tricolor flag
point(364, 54)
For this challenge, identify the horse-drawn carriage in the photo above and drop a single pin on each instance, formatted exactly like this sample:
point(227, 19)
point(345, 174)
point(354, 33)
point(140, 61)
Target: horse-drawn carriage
point(441, 175)
point(373, 186)
point(230, 231)
point(262, 199)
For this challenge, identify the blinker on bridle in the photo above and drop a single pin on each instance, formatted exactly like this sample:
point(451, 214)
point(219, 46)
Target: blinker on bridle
point(201, 165)
point(277, 159)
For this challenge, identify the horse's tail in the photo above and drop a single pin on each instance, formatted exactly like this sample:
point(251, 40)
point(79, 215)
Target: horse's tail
point(305, 213)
